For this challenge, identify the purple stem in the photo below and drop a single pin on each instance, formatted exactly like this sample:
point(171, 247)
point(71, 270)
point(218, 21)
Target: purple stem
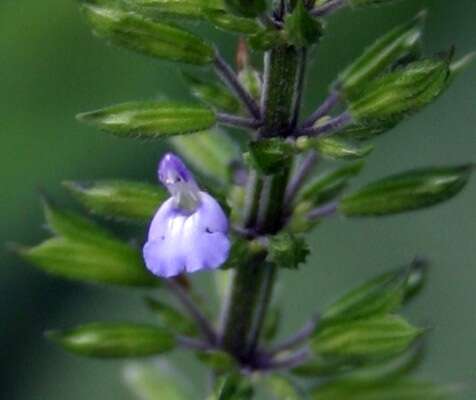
point(324, 108)
point(324, 211)
point(327, 128)
point(193, 310)
point(295, 359)
point(193, 344)
point(298, 338)
point(226, 73)
point(328, 8)
point(303, 171)
point(237, 121)
point(299, 88)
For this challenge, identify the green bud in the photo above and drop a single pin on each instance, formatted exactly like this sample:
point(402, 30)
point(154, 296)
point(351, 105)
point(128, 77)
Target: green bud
point(232, 23)
point(391, 47)
point(266, 39)
point(251, 80)
point(403, 389)
point(193, 9)
point(269, 155)
point(408, 191)
point(329, 185)
point(85, 252)
point(114, 340)
point(213, 94)
point(170, 318)
point(246, 8)
point(374, 338)
point(152, 382)
point(147, 36)
point(401, 92)
point(301, 28)
point(334, 148)
point(287, 251)
point(210, 153)
point(121, 200)
point(150, 119)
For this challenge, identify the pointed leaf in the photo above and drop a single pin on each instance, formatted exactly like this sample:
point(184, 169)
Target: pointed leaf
point(231, 23)
point(114, 340)
point(147, 36)
point(150, 119)
point(407, 191)
point(193, 9)
point(333, 148)
point(122, 200)
point(301, 28)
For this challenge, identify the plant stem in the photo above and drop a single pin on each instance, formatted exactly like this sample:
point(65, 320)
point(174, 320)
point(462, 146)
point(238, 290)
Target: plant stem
point(238, 121)
point(323, 109)
point(229, 77)
point(253, 284)
point(303, 170)
point(328, 128)
point(328, 8)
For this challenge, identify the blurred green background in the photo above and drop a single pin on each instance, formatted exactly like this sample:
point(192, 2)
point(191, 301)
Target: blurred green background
point(51, 68)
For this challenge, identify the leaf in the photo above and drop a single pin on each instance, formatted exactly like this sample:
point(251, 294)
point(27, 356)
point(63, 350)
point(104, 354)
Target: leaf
point(287, 251)
point(114, 340)
point(373, 338)
point(86, 252)
point(219, 361)
point(266, 39)
point(407, 191)
point(150, 119)
point(251, 80)
point(246, 8)
point(282, 388)
point(193, 9)
point(401, 92)
point(209, 153)
point(388, 49)
point(231, 23)
point(121, 200)
point(404, 389)
point(212, 94)
point(150, 382)
point(171, 319)
point(233, 387)
point(269, 155)
point(333, 148)
point(301, 28)
point(330, 184)
point(144, 35)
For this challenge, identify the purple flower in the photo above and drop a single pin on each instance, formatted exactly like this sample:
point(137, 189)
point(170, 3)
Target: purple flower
point(189, 231)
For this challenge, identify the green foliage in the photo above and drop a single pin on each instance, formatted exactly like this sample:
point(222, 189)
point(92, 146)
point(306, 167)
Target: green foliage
point(193, 9)
point(333, 148)
point(282, 388)
point(287, 251)
point(407, 191)
point(114, 340)
point(373, 338)
point(144, 35)
point(365, 3)
point(246, 8)
point(170, 318)
point(121, 200)
point(85, 252)
point(233, 387)
point(269, 155)
point(301, 28)
point(150, 119)
point(394, 45)
point(232, 23)
point(219, 361)
point(266, 39)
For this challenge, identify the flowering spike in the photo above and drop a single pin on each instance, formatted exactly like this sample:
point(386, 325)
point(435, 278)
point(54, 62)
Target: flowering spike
point(189, 231)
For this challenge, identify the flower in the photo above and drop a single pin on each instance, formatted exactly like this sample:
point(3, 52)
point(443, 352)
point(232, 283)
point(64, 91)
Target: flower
point(189, 231)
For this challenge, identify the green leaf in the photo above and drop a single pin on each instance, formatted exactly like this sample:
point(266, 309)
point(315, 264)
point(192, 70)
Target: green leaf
point(233, 387)
point(266, 39)
point(209, 153)
point(366, 3)
point(171, 319)
point(301, 28)
point(333, 148)
point(231, 23)
point(269, 155)
point(85, 252)
point(251, 80)
point(246, 8)
point(219, 361)
point(154, 382)
point(370, 128)
point(374, 338)
point(114, 340)
point(121, 200)
point(147, 36)
point(287, 251)
point(381, 295)
point(329, 185)
point(150, 119)
point(212, 94)
point(282, 388)
point(404, 389)
point(407, 191)
point(401, 92)
point(193, 9)
point(388, 49)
